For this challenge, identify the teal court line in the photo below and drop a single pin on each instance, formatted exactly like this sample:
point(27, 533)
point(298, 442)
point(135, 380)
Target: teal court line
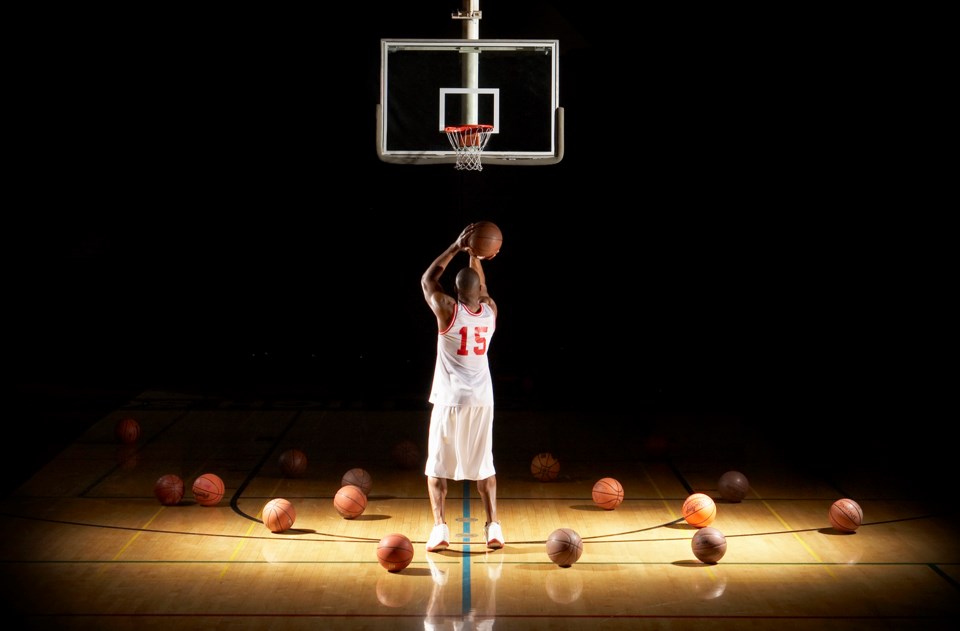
point(465, 594)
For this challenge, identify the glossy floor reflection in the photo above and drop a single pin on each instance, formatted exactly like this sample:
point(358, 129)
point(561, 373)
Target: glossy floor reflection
point(86, 544)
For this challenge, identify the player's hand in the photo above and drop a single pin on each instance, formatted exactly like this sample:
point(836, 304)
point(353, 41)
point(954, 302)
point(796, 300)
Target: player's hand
point(463, 241)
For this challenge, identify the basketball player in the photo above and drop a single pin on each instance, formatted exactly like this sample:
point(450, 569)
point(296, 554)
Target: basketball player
point(460, 439)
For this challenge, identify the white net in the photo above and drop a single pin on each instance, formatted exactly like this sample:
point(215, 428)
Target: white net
point(469, 142)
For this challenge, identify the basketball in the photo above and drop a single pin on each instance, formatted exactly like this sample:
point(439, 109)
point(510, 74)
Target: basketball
point(358, 477)
point(169, 489)
point(208, 489)
point(564, 547)
point(350, 501)
point(699, 510)
point(127, 431)
point(545, 467)
point(486, 240)
point(279, 514)
point(607, 493)
point(293, 463)
point(733, 486)
point(394, 552)
point(846, 515)
point(709, 545)
point(406, 454)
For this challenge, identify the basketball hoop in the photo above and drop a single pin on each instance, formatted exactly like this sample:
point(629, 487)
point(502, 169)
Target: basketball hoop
point(468, 141)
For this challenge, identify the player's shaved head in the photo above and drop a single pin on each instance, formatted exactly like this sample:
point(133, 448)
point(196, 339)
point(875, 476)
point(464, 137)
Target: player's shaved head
point(468, 282)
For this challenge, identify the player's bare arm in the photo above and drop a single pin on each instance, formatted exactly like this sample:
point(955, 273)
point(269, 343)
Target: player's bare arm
point(477, 266)
point(440, 302)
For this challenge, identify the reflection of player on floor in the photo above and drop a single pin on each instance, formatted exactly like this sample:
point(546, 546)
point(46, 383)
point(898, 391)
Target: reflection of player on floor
point(460, 443)
point(476, 620)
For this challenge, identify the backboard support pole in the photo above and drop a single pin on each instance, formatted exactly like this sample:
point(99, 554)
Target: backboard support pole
point(470, 61)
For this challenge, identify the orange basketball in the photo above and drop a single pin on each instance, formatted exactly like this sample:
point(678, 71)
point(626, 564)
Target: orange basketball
point(169, 489)
point(350, 501)
point(358, 477)
point(208, 489)
point(545, 467)
point(293, 463)
point(486, 239)
point(395, 552)
point(564, 546)
point(607, 493)
point(279, 514)
point(708, 544)
point(127, 431)
point(699, 510)
point(846, 515)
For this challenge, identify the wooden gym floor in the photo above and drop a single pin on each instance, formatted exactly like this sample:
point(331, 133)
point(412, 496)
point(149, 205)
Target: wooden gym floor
point(85, 545)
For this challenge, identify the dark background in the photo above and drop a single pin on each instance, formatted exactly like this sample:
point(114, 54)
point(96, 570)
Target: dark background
point(203, 208)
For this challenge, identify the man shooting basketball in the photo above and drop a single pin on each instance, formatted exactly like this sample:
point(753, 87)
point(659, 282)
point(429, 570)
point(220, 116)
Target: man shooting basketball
point(460, 442)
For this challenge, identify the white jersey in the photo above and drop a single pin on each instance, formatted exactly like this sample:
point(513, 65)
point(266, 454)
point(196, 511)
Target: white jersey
point(462, 372)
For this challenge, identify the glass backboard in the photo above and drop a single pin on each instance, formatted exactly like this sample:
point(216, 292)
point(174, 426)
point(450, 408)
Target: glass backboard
point(428, 85)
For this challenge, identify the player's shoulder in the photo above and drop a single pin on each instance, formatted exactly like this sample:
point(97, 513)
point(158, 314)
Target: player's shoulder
point(442, 298)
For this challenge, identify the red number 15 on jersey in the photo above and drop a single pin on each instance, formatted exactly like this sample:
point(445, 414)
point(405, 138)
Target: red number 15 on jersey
point(479, 340)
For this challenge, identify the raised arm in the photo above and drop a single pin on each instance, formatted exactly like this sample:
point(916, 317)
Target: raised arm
point(484, 294)
point(439, 301)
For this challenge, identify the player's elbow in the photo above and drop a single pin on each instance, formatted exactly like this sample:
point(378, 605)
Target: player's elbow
point(426, 284)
